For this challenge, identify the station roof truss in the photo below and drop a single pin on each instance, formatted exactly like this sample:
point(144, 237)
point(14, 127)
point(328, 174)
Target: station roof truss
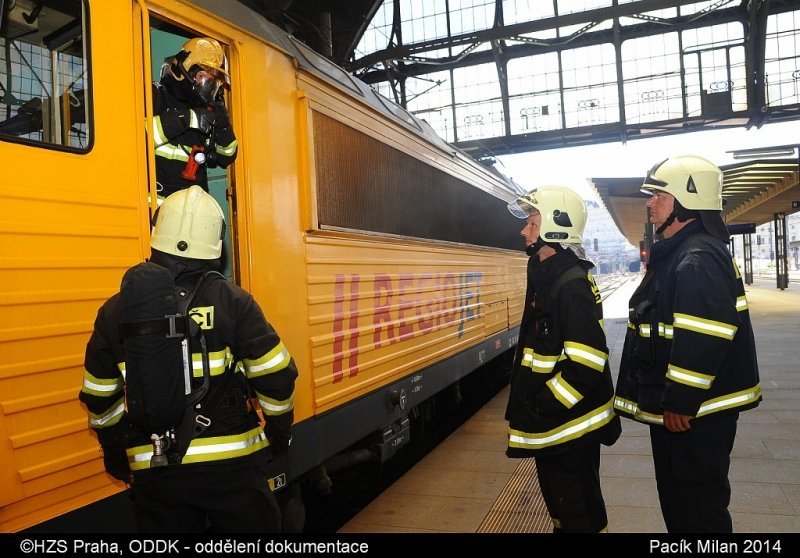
point(753, 192)
point(510, 76)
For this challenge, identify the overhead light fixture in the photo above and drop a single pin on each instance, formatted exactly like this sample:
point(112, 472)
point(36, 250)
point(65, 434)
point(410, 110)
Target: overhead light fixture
point(764, 152)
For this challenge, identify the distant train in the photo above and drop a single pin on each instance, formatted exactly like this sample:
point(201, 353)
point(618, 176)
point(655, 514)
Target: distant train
point(384, 257)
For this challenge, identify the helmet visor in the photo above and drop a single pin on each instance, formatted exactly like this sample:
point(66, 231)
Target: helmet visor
point(523, 206)
point(218, 73)
point(206, 85)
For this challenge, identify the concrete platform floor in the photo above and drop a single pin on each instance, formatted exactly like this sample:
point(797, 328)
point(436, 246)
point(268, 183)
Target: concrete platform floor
point(457, 486)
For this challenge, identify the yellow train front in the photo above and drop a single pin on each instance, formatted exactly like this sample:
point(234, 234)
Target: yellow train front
point(384, 257)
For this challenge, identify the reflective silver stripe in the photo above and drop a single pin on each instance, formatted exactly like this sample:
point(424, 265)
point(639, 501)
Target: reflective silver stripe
point(569, 431)
point(631, 408)
point(741, 303)
point(276, 359)
point(689, 377)
point(109, 417)
point(730, 401)
point(218, 362)
point(701, 325)
point(644, 330)
point(206, 449)
point(539, 363)
point(586, 355)
point(624, 405)
point(159, 137)
point(565, 393)
point(101, 387)
point(174, 152)
point(229, 149)
point(665, 330)
point(272, 406)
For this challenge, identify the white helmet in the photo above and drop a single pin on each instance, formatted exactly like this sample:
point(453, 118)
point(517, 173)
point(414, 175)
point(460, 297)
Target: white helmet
point(695, 182)
point(563, 212)
point(189, 224)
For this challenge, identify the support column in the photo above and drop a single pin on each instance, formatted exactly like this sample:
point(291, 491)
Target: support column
point(747, 245)
point(781, 255)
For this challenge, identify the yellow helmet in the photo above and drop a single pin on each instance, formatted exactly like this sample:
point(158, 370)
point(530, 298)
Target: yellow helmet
point(189, 224)
point(563, 213)
point(208, 55)
point(695, 182)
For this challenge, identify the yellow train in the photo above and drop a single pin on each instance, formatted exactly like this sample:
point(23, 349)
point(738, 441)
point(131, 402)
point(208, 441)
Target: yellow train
point(384, 257)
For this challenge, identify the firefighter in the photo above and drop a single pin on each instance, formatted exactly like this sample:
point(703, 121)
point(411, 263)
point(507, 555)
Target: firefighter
point(191, 128)
point(689, 364)
point(220, 483)
point(560, 407)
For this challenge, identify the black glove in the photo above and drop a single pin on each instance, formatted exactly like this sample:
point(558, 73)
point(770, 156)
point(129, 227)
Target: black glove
point(204, 120)
point(220, 116)
point(116, 464)
point(279, 433)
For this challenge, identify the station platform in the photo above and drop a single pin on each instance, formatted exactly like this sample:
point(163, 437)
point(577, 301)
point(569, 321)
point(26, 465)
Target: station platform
point(468, 485)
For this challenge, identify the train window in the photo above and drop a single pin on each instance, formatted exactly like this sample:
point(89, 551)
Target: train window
point(364, 184)
point(44, 72)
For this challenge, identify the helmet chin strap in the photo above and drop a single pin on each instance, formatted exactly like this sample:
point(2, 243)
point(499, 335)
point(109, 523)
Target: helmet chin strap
point(532, 249)
point(666, 223)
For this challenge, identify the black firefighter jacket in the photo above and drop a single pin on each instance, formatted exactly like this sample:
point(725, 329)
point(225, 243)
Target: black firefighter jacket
point(237, 334)
point(689, 346)
point(561, 389)
point(178, 128)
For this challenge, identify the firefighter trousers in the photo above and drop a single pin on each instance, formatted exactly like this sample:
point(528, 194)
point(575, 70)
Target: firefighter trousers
point(692, 474)
point(570, 484)
point(217, 501)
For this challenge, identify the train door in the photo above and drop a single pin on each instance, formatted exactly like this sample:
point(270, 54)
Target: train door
point(166, 40)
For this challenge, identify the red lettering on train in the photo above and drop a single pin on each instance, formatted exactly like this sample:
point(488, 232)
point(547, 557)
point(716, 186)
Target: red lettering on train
point(403, 306)
point(353, 331)
point(382, 305)
point(404, 326)
point(338, 320)
point(424, 325)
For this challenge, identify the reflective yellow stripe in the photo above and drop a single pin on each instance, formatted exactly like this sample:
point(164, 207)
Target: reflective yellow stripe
point(542, 364)
point(565, 393)
point(159, 137)
point(737, 399)
point(206, 449)
point(275, 360)
point(689, 377)
point(644, 330)
point(586, 355)
point(701, 325)
point(631, 408)
point(574, 429)
point(665, 330)
point(101, 387)
point(274, 406)
point(218, 362)
point(172, 152)
point(741, 303)
point(624, 405)
point(729, 401)
point(229, 149)
point(110, 417)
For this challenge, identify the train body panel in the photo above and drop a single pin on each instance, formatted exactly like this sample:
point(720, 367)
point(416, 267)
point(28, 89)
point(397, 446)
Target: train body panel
point(347, 224)
point(379, 310)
